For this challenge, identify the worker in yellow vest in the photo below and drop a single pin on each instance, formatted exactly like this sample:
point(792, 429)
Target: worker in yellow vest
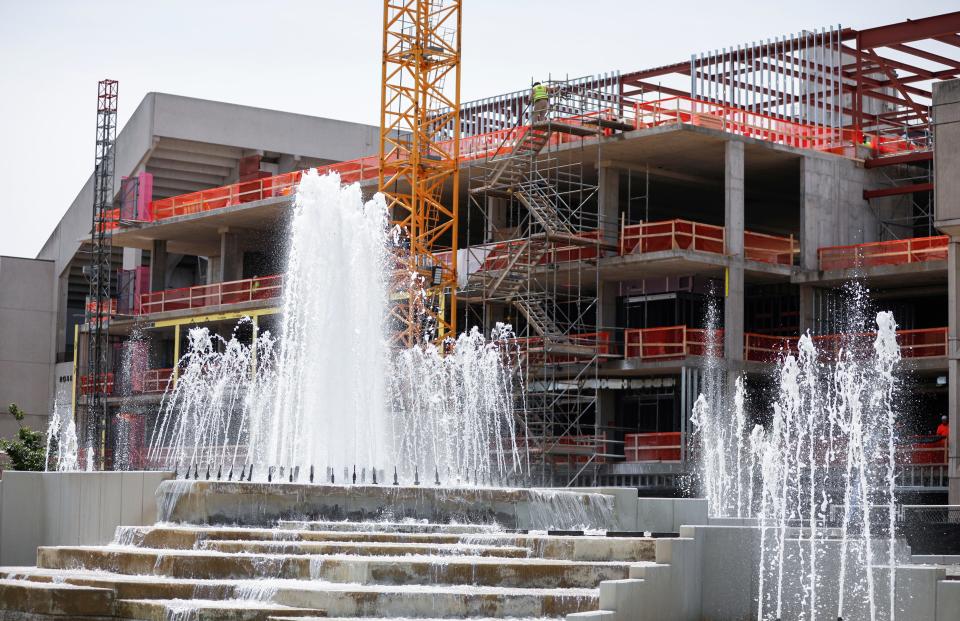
point(540, 98)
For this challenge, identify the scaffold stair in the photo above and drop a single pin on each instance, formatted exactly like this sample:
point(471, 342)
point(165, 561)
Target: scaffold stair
point(510, 167)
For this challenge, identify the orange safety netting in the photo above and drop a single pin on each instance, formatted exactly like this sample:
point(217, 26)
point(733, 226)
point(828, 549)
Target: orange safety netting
point(896, 252)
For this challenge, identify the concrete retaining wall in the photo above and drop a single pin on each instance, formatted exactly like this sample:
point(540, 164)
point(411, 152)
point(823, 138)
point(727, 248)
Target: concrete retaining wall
point(710, 573)
point(71, 508)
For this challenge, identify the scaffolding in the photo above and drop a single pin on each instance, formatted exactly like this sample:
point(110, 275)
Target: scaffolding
point(100, 305)
point(536, 234)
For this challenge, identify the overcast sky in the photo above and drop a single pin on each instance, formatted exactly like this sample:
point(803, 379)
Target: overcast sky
point(318, 57)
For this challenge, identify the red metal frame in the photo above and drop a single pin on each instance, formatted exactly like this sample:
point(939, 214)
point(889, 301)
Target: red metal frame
point(659, 447)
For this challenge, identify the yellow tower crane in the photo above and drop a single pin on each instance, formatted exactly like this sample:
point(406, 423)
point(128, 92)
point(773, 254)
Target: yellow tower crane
point(419, 151)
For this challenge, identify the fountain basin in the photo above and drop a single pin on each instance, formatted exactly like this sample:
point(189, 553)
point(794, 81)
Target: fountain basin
point(263, 504)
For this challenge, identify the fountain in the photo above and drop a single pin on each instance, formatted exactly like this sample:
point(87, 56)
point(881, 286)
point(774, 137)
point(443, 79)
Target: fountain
point(327, 393)
point(818, 477)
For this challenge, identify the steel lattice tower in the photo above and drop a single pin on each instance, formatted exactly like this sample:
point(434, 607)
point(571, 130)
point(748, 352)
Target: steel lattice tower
point(101, 257)
point(419, 152)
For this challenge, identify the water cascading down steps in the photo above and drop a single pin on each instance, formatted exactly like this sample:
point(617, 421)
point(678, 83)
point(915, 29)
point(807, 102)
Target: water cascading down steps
point(316, 567)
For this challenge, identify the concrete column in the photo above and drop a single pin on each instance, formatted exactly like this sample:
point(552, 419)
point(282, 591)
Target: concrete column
point(607, 321)
point(213, 270)
point(231, 256)
point(158, 265)
point(608, 201)
point(818, 210)
point(953, 368)
point(496, 218)
point(733, 194)
point(807, 297)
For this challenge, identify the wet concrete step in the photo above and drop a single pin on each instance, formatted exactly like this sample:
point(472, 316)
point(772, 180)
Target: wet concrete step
point(363, 548)
point(584, 548)
point(185, 537)
point(25, 599)
point(337, 599)
point(393, 527)
point(386, 570)
point(209, 610)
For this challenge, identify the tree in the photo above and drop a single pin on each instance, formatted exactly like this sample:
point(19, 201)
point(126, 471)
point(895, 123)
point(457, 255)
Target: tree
point(28, 450)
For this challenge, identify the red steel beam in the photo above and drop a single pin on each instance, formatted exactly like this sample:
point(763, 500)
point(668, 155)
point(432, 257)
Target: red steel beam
point(894, 160)
point(910, 30)
point(898, 190)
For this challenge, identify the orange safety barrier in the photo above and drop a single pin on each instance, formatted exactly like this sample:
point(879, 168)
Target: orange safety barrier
point(110, 309)
point(670, 343)
point(687, 235)
point(199, 296)
point(896, 252)
point(764, 348)
point(105, 382)
point(685, 110)
point(770, 248)
point(661, 446)
point(155, 380)
point(922, 450)
point(671, 235)
point(499, 256)
point(921, 343)
point(532, 348)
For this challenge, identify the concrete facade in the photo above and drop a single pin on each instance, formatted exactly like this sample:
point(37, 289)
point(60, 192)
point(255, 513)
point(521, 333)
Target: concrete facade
point(946, 118)
point(26, 314)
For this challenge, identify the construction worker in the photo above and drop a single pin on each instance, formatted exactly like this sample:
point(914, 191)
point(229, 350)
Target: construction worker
point(943, 430)
point(540, 99)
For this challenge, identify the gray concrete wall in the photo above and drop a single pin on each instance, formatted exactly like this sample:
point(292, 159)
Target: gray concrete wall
point(946, 175)
point(26, 343)
point(71, 508)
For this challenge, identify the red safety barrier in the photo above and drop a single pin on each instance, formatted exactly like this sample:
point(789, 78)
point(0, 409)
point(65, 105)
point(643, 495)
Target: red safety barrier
point(87, 385)
point(199, 296)
point(896, 252)
point(109, 309)
point(155, 380)
point(670, 343)
point(922, 343)
point(671, 235)
point(533, 348)
point(922, 450)
point(685, 110)
point(661, 446)
point(764, 348)
point(687, 235)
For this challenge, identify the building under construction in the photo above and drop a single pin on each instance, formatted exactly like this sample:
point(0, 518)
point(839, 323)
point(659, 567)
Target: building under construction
point(756, 180)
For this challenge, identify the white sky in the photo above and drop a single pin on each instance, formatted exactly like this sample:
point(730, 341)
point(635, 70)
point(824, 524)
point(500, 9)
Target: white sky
point(318, 57)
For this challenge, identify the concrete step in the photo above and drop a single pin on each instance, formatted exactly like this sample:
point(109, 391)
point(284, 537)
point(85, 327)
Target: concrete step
point(337, 599)
point(585, 548)
point(392, 527)
point(209, 610)
point(26, 599)
point(344, 568)
point(364, 548)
